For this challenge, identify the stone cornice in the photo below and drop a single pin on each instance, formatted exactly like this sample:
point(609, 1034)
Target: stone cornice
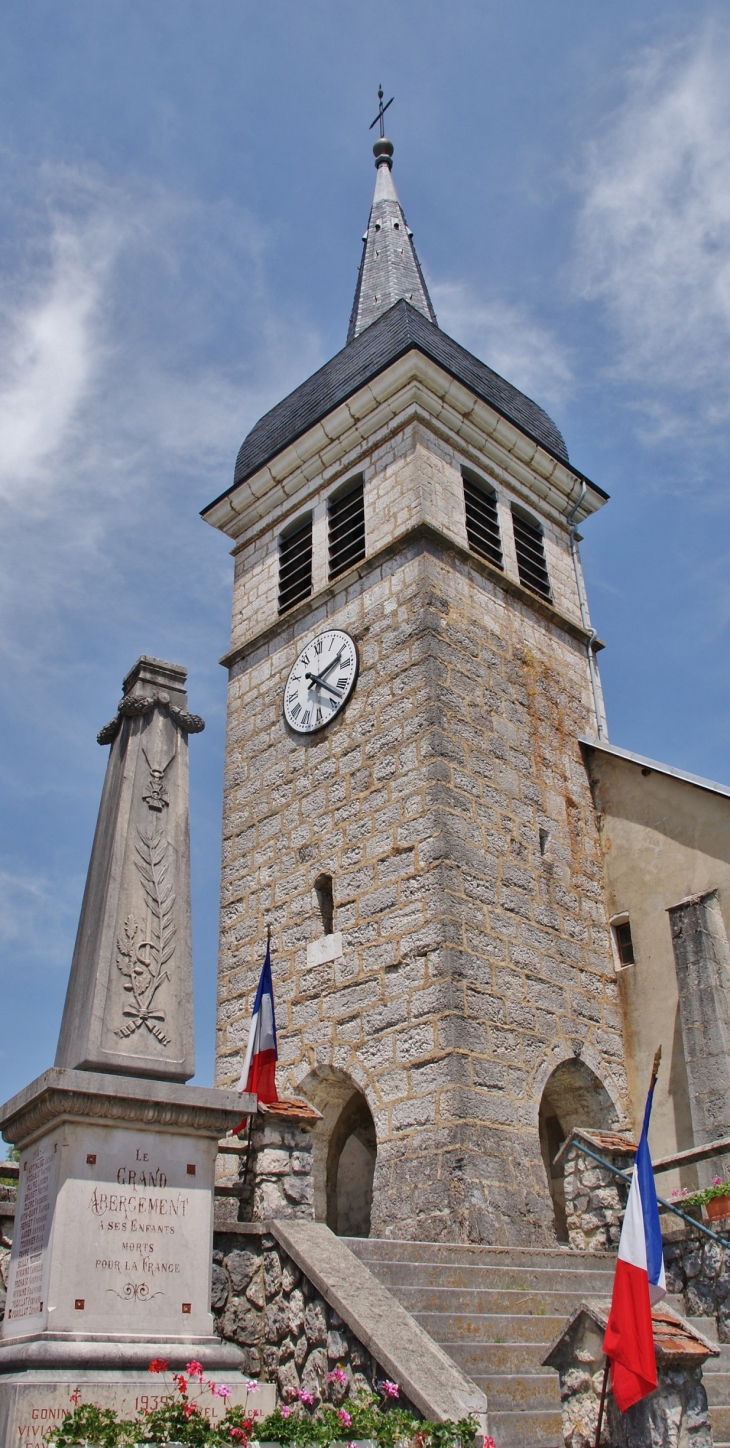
point(427, 537)
point(353, 428)
point(61, 1095)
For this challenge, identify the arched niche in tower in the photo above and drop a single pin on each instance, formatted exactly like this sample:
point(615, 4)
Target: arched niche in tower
point(344, 1152)
point(573, 1097)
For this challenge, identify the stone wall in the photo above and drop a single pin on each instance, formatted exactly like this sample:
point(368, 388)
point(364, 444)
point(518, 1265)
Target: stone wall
point(595, 1199)
point(700, 1270)
point(290, 1335)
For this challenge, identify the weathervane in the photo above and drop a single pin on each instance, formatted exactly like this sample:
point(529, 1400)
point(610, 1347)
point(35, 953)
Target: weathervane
point(381, 111)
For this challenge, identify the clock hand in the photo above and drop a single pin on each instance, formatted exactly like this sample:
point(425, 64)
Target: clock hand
point(332, 663)
point(318, 679)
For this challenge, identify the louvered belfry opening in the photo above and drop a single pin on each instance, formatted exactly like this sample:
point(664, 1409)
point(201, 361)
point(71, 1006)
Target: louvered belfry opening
point(530, 550)
point(346, 513)
point(482, 522)
point(295, 564)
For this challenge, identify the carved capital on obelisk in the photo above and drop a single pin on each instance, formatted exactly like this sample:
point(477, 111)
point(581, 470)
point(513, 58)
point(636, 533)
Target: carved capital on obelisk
point(129, 1004)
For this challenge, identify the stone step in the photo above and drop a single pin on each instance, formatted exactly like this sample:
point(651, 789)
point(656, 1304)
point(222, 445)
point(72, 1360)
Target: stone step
point(717, 1386)
point(720, 1420)
point(510, 1391)
point(477, 1358)
point(385, 1249)
point(499, 1327)
point(583, 1282)
point(485, 1303)
point(539, 1429)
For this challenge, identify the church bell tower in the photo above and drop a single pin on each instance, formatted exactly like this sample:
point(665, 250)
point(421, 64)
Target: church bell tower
point(406, 804)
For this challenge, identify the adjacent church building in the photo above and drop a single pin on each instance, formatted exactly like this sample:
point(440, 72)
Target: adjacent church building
point(485, 916)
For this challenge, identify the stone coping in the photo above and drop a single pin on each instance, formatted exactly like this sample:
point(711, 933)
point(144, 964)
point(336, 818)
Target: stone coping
point(609, 1143)
point(290, 1108)
point(675, 1340)
point(429, 1378)
point(61, 1094)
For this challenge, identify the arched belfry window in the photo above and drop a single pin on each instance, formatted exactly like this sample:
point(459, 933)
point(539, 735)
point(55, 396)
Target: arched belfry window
point(295, 563)
point(482, 521)
point(530, 550)
point(346, 518)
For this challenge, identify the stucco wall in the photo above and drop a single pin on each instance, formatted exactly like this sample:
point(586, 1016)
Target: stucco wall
point(663, 839)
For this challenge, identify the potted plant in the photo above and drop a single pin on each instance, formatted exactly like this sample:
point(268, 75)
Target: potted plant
point(715, 1199)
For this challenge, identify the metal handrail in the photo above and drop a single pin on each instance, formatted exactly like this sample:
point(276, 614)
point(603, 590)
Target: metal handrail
point(697, 1226)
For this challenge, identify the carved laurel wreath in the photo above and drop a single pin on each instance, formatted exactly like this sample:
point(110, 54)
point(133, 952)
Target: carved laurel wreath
point(130, 706)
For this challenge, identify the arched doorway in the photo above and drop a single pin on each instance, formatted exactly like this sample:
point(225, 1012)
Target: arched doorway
point(350, 1169)
point(573, 1096)
point(345, 1151)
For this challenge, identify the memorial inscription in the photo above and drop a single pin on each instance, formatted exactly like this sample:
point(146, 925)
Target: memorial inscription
point(27, 1275)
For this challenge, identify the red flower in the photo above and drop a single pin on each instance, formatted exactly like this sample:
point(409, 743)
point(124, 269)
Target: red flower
point(181, 1383)
point(189, 1409)
point(159, 1365)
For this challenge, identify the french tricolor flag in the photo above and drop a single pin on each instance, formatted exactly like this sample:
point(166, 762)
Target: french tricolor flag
point(638, 1284)
point(259, 1068)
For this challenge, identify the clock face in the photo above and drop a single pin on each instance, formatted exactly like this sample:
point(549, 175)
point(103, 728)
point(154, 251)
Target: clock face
point(321, 681)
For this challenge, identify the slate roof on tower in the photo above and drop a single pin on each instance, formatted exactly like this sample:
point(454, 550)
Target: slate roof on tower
point(391, 315)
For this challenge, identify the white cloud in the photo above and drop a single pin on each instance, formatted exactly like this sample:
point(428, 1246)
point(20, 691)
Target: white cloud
point(508, 339)
point(34, 918)
point(122, 400)
point(654, 230)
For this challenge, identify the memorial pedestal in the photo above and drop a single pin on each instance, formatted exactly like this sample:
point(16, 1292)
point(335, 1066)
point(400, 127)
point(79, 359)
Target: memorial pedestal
point(112, 1250)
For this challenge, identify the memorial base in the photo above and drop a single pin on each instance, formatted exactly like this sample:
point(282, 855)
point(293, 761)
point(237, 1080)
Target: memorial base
point(33, 1402)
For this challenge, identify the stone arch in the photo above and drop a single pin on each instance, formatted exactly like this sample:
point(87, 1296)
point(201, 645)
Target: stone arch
point(573, 1096)
point(344, 1152)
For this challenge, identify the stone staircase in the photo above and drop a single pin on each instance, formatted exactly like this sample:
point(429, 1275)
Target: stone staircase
point(495, 1310)
point(716, 1377)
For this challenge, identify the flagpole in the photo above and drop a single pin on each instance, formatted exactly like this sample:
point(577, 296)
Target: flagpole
point(602, 1404)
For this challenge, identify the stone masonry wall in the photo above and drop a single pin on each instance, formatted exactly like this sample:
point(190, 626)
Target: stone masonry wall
point(595, 1199)
point(700, 1269)
point(451, 806)
point(289, 1334)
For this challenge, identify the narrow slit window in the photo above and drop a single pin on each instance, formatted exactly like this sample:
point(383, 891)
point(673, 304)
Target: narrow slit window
point(482, 523)
point(295, 565)
point(346, 514)
point(624, 943)
point(530, 550)
point(325, 900)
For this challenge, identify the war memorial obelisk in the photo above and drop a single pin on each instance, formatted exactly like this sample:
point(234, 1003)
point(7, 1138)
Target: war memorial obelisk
point(111, 1258)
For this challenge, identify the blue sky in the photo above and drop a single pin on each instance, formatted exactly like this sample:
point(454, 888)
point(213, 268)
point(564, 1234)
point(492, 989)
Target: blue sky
point(183, 189)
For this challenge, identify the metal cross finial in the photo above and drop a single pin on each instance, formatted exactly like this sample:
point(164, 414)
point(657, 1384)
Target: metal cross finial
point(381, 111)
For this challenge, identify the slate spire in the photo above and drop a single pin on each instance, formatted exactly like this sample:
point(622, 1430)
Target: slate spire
point(389, 270)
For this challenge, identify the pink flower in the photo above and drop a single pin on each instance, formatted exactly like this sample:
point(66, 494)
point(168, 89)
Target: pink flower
point(222, 1390)
point(338, 1375)
point(391, 1389)
point(305, 1397)
point(194, 1369)
point(344, 1417)
point(717, 1181)
point(489, 1442)
point(285, 1410)
point(252, 1386)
